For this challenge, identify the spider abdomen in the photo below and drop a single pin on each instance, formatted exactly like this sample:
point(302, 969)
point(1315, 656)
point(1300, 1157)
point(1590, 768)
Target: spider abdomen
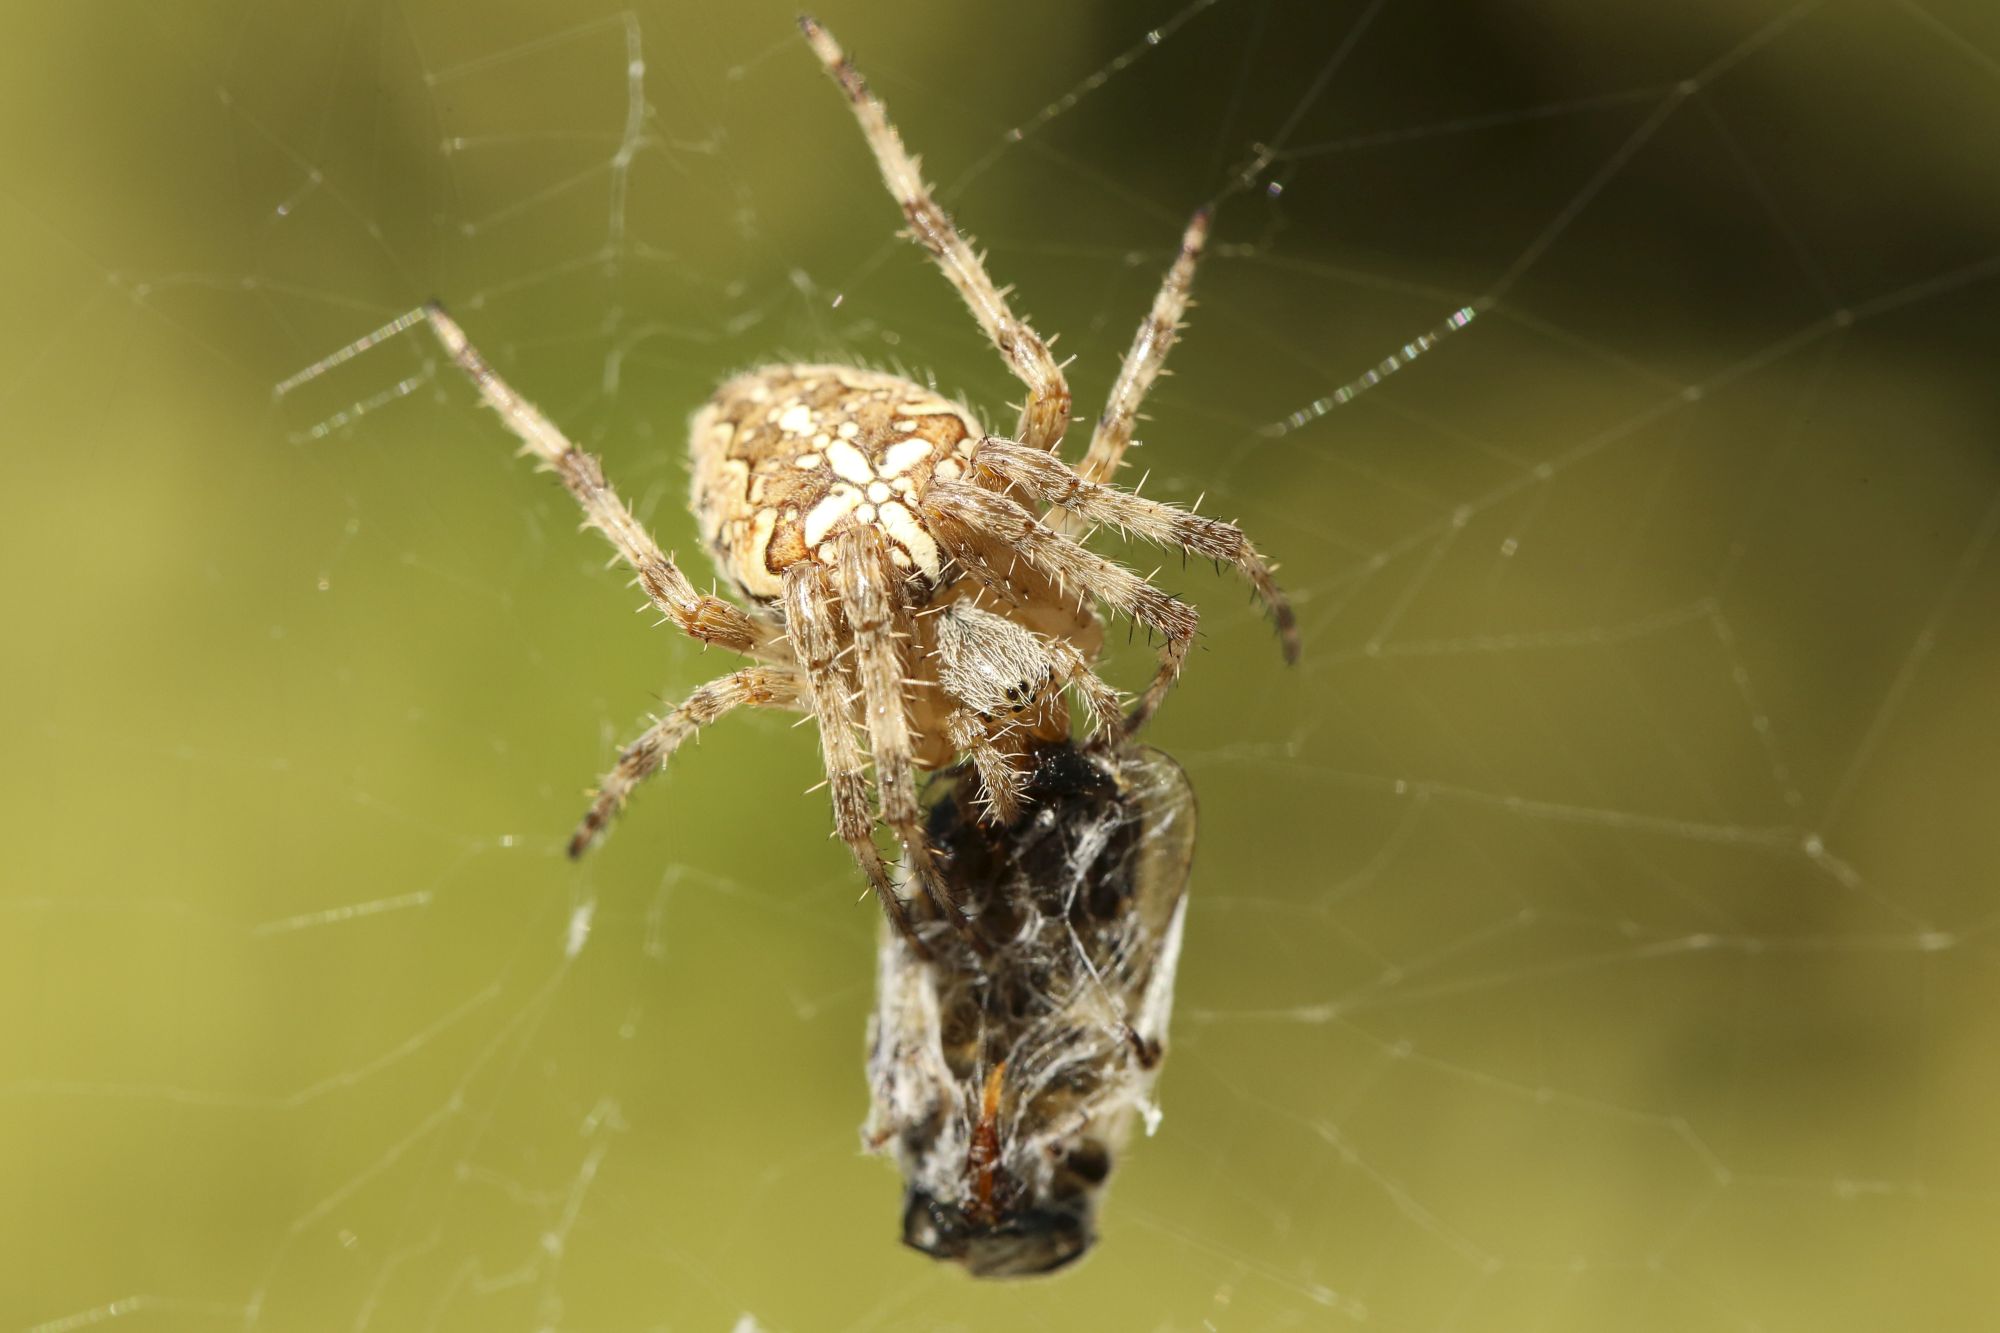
point(785, 457)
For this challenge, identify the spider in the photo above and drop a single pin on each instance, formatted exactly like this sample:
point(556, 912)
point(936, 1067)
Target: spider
point(900, 584)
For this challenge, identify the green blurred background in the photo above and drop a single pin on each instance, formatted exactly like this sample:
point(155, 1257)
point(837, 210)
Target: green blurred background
point(1596, 932)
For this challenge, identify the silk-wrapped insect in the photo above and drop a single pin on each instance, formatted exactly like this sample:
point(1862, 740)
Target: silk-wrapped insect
point(1007, 1069)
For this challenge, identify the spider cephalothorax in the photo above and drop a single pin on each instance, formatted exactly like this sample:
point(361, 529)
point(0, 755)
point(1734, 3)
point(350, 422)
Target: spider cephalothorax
point(913, 579)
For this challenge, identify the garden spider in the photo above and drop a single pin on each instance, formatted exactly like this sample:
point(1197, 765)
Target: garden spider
point(887, 548)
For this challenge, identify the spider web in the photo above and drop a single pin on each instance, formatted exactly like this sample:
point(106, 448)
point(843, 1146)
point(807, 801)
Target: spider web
point(1596, 931)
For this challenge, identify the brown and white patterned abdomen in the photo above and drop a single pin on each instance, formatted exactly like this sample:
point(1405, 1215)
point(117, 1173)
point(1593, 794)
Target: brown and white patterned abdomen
point(786, 456)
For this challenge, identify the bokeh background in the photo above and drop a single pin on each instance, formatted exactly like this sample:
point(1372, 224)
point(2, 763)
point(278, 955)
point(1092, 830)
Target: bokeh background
point(1596, 931)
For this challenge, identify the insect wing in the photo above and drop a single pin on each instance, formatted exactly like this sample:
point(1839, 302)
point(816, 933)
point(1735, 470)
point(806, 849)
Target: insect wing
point(1142, 941)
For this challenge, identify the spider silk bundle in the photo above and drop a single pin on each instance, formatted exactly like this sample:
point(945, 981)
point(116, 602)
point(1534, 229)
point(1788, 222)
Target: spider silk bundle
point(1006, 1069)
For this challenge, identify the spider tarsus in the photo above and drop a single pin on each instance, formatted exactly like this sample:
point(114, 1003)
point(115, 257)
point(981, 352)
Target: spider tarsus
point(1288, 633)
